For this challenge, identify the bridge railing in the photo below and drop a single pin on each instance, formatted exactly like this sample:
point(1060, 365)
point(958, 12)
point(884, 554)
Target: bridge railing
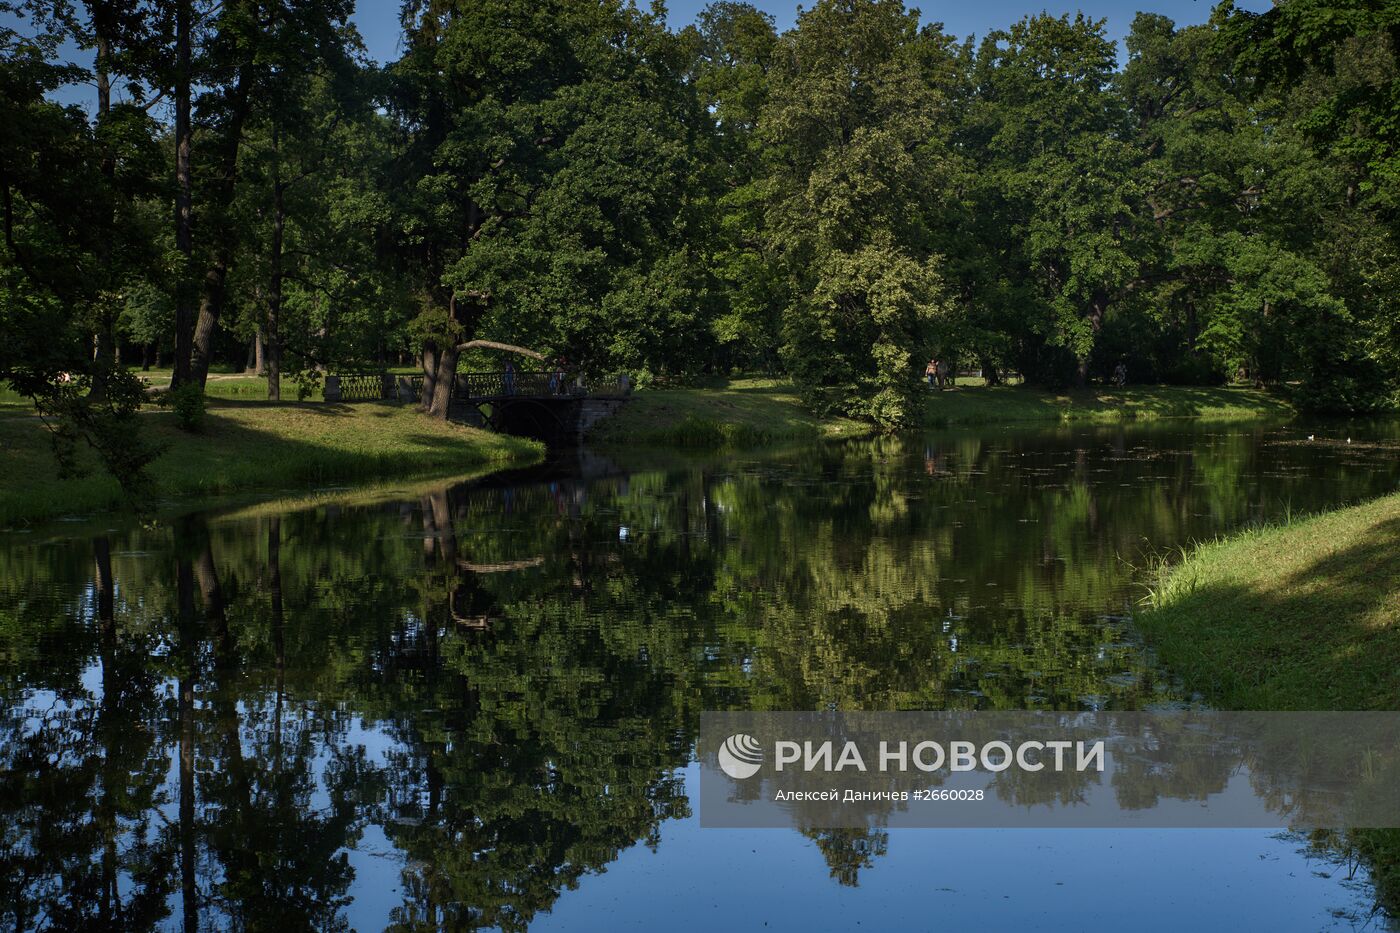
point(358, 386)
point(529, 382)
point(362, 387)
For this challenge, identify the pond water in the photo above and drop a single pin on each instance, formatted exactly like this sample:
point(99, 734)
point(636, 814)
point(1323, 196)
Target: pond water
point(476, 707)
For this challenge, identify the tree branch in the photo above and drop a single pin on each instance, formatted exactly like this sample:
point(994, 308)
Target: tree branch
point(493, 345)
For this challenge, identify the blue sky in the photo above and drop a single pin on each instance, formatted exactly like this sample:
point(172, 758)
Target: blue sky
point(378, 20)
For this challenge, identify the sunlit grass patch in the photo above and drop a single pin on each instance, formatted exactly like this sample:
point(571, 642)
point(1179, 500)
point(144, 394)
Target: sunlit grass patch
point(982, 405)
point(736, 413)
point(1300, 615)
point(255, 447)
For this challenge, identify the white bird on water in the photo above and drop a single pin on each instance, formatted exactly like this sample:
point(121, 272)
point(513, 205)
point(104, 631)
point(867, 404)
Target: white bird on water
point(1310, 437)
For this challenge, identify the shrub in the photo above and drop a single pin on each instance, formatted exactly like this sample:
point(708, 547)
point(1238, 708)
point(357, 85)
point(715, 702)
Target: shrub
point(187, 402)
point(308, 383)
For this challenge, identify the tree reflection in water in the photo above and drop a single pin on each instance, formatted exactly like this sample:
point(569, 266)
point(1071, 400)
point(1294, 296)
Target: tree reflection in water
point(203, 717)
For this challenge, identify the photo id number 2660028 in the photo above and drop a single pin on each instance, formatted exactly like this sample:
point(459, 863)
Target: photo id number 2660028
point(946, 793)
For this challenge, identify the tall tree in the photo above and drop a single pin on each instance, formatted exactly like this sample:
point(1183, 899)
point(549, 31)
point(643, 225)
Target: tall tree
point(250, 48)
point(734, 47)
point(849, 135)
point(1337, 64)
point(545, 183)
point(309, 206)
point(64, 241)
point(1050, 138)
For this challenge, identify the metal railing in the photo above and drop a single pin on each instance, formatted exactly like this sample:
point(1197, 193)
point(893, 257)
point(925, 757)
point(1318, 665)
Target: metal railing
point(363, 387)
point(504, 384)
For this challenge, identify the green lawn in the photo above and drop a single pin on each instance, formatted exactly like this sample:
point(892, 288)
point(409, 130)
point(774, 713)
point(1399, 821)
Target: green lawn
point(11, 402)
point(256, 446)
point(755, 410)
point(736, 412)
point(241, 386)
point(1304, 616)
point(982, 405)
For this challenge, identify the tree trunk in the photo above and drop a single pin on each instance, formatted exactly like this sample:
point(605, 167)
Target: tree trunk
point(990, 375)
point(102, 67)
point(211, 305)
point(429, 362)
point(106, 338)
point(184, 199)
point(442, 382)
point(1097, 306)
point(274, 299)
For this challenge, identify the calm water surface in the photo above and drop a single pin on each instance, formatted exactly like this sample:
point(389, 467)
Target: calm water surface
point(475, 708)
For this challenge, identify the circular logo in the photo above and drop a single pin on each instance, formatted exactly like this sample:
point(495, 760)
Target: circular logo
point(740, 756)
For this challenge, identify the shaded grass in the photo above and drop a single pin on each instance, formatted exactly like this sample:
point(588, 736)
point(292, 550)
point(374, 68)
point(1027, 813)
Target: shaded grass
point(1300, 616)
point(1304, 615)
point(982, 405)
point(255, 447)
point(734, 413)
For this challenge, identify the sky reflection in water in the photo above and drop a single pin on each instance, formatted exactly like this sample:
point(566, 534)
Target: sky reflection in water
point(475, 707)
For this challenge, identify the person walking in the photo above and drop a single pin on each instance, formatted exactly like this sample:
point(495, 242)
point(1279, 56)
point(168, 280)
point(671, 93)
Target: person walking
point(931, 372)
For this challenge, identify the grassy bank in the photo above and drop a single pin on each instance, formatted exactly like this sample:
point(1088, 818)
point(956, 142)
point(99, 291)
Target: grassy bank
point(754, 411)
point(1302, 616)
point(255, 447)
point(1298, 616)
point(737, 412)
point(982, 405)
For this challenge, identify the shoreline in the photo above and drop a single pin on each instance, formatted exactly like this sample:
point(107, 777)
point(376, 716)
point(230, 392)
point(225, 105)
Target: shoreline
point(290, 449)
point(284, 450)
point(751, 411)
point(1303, 615)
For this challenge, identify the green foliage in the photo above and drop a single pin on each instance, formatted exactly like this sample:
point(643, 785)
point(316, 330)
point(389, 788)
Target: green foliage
point(835, 205)
point(70, 235)
point(104, 422)
point(307, 382)
point(851, 169)
point(187, 403)
point(549, 182)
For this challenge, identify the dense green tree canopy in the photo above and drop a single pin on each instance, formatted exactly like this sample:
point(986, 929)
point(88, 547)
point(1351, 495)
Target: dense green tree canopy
point(840, 202)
